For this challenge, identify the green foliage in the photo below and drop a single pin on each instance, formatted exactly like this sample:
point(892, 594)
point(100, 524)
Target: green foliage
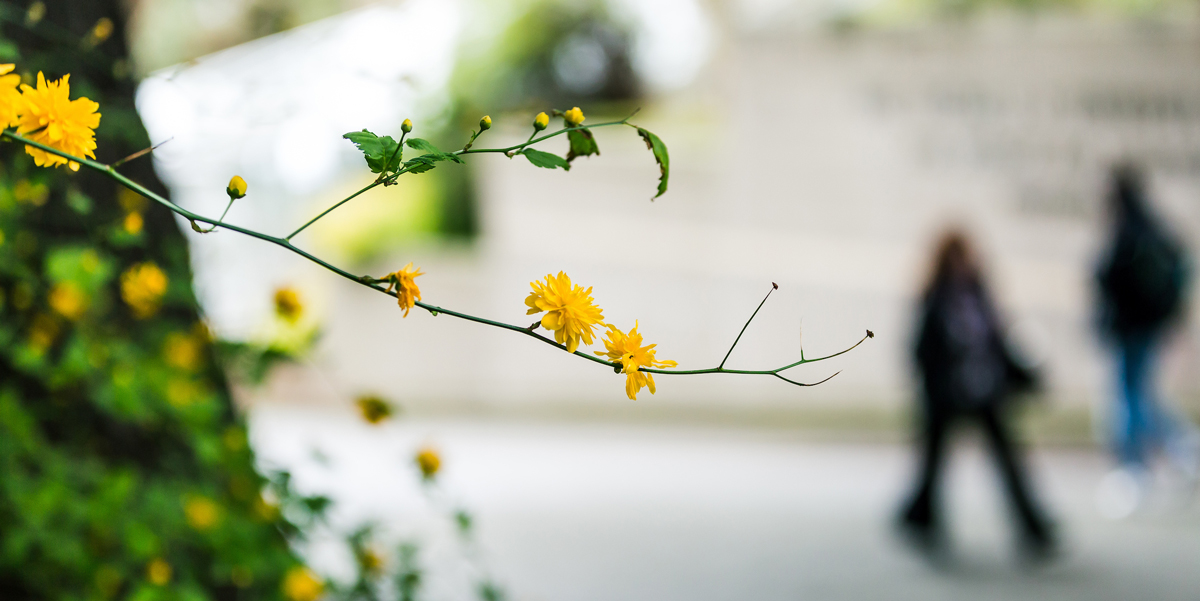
point(548, 160)
point(655, 144)
point(431, 152)
point(583, 143)
point(382, 153)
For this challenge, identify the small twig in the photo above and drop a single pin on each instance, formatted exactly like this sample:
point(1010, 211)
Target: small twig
point(774, 287)
point(141, 152)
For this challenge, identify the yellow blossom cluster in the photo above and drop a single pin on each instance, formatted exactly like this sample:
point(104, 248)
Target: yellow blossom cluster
point(429, 462)
point(47, 115)
point(142, 288)
point(571, 314)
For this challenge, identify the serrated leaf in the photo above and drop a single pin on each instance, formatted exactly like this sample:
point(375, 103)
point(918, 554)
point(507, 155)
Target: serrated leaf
point(547, 160)
point(420, 164)
point(431, 151)
point(376, 150)
point(655, 144)
point(583, 143)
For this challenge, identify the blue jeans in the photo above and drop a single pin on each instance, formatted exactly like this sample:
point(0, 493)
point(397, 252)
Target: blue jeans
point(1142, 424)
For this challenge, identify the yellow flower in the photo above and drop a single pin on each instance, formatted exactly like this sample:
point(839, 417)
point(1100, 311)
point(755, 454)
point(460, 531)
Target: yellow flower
point(158, 572)
point(182, 351)
point(485, 123)
point(201, 513)
point(101, 30)
point(541, 121)
point(300, 584)
point(407, 292)
point(406, 126)
point(68, 300)
point(236, 188)
point(570, 310)
point(287, 304)
point(142, 287)
point(29, 192)
point(627, 350)
point(133, 223)
point(429, 462)
point(573, 117)
point(373, 408)
point(49, 116)
point(10, 98)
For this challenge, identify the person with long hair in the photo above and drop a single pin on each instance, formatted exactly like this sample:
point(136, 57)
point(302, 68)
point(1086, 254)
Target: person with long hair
point(968, 374)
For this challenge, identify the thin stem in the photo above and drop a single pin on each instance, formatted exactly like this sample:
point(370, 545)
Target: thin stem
point(222, 218)
point(374, 283)
point(774, 287)
point(330, 209)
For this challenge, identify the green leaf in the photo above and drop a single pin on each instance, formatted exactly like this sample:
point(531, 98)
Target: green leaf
point(431, 151)
point(377, 150)
point(420, 164)
point(545, 159)
point(655, 144)
point(583, 143)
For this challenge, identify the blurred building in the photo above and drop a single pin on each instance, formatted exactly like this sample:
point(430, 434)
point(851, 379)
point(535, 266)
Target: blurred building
point(815, 150)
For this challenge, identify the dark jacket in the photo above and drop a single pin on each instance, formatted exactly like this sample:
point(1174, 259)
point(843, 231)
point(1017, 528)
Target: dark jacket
point(1143, 279)
point(960, 351)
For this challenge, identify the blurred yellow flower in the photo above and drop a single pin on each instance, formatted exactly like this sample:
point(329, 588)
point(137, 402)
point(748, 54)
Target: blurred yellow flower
point(287, 304)
point(236, 188)
point(142, 287)
point(101, 30)
point(485, 123)
point(182, 392)
point(133, 223)
point(158, 572)
point(29, 192)
point(627, 350)
point(182, 351)
point(68, 300)
point(10, 98)
point(202, 513)
point(573, 117)
point(429, 462)
point(407, 292)
point(42, 332)
point(301, 584)
point(50, 117)
point(373, 408)
point(570, 311)
point(371, 562)
point(541, 121)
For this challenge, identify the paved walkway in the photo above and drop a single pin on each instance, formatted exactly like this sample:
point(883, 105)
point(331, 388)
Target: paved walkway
point(605, 512)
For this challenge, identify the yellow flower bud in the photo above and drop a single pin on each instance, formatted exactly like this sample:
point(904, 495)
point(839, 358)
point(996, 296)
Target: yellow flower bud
point(541, 121)
point(574, 117)
point(429, 462)
point(236, 188)
point(485, 123)
point(406, 126)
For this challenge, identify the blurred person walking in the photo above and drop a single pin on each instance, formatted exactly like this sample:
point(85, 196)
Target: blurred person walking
point(1142, 282)
point(968, 373)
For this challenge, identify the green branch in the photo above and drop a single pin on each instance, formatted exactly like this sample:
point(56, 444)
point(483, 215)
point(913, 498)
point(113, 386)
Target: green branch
point(374, 284)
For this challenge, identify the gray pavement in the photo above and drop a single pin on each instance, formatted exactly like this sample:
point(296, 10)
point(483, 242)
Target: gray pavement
point(571, 511)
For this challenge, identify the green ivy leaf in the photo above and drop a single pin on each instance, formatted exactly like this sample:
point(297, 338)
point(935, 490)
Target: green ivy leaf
point(431, 151)
point(583, 143)
point(377, 150)
point(655, 144)
point(545, 159)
